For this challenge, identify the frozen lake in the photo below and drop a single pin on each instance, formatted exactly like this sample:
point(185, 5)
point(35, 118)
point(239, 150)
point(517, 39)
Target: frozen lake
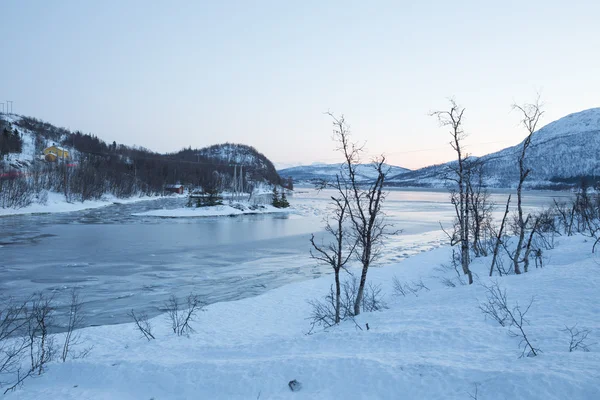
point(120, 262)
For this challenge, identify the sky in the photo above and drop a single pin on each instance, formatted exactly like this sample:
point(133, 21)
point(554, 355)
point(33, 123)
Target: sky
point(168, 75)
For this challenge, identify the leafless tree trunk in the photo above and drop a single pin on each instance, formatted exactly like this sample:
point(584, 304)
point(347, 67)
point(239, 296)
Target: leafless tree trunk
point(480, 206)
point(75, 323)
point(453, 119)
point(499, 238)
point(365, 201)
point(41, 345)
point(334, 253)
point(143, 324)
point(531, 114)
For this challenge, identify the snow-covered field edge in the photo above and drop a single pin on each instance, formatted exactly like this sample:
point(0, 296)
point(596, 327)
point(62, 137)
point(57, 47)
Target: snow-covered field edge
point(56, 203)
point(436, 344)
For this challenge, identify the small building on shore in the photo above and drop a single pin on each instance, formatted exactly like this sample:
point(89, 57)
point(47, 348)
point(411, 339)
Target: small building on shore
point(174, 188)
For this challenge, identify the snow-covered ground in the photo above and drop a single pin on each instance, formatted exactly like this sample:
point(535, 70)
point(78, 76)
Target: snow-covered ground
point(56, 204)
point(435, 346)
point(238, 208)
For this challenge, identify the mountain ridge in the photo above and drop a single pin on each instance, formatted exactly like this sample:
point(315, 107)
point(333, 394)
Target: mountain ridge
point(561, 154)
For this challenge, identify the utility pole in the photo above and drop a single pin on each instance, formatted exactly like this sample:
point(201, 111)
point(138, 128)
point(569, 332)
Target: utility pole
point(2, 109)
point(234, 181)
point(241, 181)
point(66, 181)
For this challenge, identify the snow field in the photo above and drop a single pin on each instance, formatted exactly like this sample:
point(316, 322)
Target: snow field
point(435, 346)
point(57, 204)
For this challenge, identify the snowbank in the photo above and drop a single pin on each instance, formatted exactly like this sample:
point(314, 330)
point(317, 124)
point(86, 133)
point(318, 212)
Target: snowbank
point(434, 346)
point(57, 204)
point(214, 211)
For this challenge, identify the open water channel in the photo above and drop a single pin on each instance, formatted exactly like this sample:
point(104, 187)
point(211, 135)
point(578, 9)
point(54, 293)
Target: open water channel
point(120, 262)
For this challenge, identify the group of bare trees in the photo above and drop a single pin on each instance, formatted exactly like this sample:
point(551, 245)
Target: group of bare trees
point(473, 229)
point(356, 227)
point(27, 344)
point(581, 214)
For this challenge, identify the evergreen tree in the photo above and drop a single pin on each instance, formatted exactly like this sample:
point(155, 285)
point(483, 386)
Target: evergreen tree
point(283, 203)
point(276, 201)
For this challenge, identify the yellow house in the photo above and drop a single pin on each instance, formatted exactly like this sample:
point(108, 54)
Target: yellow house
point(53, 153)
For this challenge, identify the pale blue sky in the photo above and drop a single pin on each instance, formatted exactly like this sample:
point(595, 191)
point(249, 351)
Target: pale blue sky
point(167, 75)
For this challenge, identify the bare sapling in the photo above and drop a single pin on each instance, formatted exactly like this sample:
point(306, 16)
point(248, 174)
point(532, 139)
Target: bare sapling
point(337, 253)
point(142, 324)
point(365, 204)
point(578, 338)
point(498, 308)
point(13, 342)
point(481, 208)
point(72, 335)
point(530, 116)
point(182, 315)
point(41, 345)
point(453, 119)
point(499, 239)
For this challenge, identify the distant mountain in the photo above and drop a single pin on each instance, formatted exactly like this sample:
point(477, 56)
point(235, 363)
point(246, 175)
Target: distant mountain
point(561, 154)
point(314, 172)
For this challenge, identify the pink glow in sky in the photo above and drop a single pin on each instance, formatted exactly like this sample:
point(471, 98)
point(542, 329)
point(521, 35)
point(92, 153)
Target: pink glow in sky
point(168, 75)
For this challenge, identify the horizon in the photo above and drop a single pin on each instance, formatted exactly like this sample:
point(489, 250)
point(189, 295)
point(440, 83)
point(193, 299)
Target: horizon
point(167, 78)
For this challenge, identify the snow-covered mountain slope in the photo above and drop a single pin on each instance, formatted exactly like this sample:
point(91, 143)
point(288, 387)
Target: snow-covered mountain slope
point(328, 171)
point(563, 151)
point(23, 159)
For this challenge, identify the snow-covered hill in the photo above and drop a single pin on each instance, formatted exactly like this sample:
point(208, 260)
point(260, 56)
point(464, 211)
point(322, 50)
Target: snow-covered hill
point(328, 171)
point(562, 151)
point(47, 136)
point(230, 154)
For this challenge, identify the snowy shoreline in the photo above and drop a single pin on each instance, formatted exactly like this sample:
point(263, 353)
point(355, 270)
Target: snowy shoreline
point(57, 204)
point(435, 344)
point(214, 211)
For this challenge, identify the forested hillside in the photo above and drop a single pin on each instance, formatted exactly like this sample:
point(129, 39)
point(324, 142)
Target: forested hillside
point(95, 167)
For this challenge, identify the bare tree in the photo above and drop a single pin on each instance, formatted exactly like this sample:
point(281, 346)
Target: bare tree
point(498, 308)
point(13, 342)
point(499, 239)
point(577, 338)
point(530, 116)
point(323, 311)
point(453, 118)
point(480, 206)
point(364, 203)
point(72, 336)
point(182, 318)
point(334, 253)
point(143, 324)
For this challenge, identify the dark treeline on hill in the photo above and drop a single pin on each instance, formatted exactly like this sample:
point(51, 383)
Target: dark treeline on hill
point(10, 140)
point(99, 167)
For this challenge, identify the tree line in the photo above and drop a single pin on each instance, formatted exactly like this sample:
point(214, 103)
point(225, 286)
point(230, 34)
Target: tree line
point(124, 171)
